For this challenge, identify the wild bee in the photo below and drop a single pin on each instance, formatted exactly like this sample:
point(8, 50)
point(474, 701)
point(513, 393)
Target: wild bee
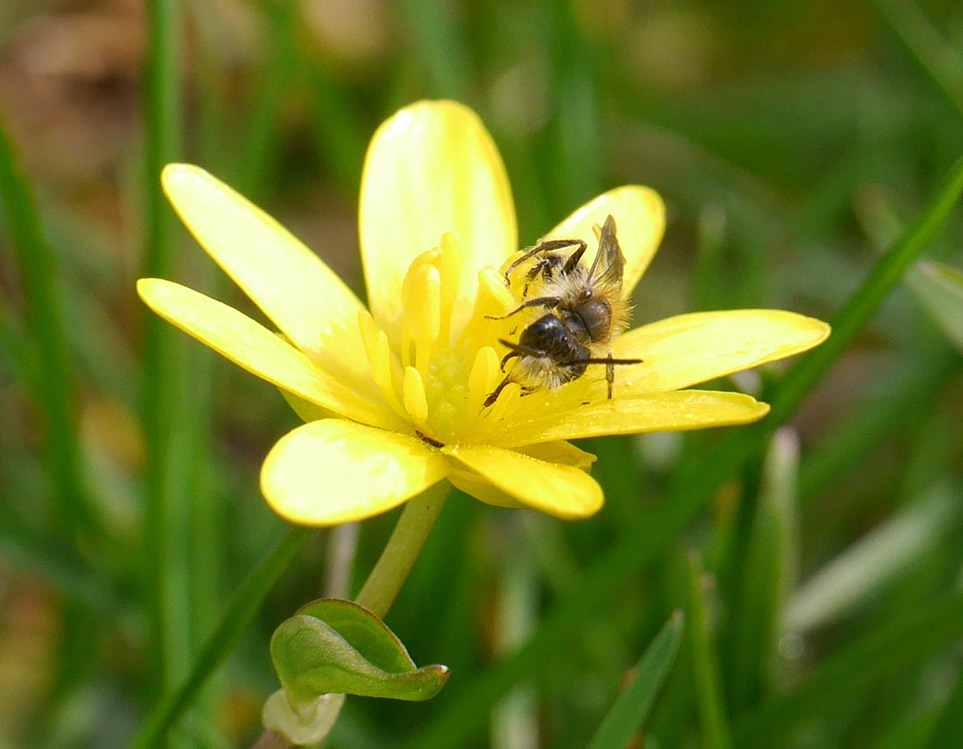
point(584, 310)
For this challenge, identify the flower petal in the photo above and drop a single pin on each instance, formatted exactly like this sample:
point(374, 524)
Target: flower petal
point(335, 471)
point(639, 218)
point(660, 412)
point(560, 452)
point(688, 349)
point(431, 169)
point(556, 489)
point(292, 285)
point(477, 486)
point(255, 348)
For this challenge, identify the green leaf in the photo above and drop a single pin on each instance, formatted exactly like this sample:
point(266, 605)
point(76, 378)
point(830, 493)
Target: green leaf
point(939, 288)
point(626, 716)
point(338, 647)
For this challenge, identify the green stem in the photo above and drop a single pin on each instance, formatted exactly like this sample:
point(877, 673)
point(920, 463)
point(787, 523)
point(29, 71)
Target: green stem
point(377, 595)
point(391, 570)
point(389, 574)
point(238, 613)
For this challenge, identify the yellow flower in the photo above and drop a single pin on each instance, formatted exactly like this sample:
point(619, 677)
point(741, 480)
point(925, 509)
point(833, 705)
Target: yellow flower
point(393, 398)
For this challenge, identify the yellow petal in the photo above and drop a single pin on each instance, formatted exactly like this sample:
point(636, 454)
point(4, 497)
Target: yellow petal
point(560, 452)
point(639, 219)
point(292, 285)
point(477, 486)
point(482, 489)
point(335, 471)
point(431, 169)
point(258, 350)
point(556, 489)
point(661, 412)
point(688, 349)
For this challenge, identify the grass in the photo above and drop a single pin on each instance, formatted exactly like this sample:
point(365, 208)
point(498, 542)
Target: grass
point(818, 569)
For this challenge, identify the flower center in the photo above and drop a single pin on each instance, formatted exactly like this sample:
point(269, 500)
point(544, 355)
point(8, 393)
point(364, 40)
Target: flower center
point(446, 364)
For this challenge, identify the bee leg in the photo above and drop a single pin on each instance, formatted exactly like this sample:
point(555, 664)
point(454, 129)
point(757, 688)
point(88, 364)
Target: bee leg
point(610, 374)
point(493, 395)
point(509, 355)
point(543, 267)
point(549, 245)
point(542, 301)
point(575, 257)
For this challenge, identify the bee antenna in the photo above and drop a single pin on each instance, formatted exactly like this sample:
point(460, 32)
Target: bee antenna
point(612, 361)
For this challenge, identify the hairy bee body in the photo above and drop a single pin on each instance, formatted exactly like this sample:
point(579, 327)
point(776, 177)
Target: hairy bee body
point(555, 355)
point(583, 309)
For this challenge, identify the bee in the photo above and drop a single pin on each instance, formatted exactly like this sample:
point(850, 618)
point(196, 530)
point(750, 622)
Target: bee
point(583, 310)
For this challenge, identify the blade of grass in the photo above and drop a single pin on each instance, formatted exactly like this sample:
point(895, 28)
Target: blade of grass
point(338, 131)
point(767, 576)
point(54, 386)
point(260, 148)
point(54, 389)
point(899, 644)
point(654, 530)
point(238, 613)
point(708, 282)
point(882, 554)
point(576, 156)
point(60, 567)
point(514, 721)
point(939, 288)
point(705, 664)
point(17, 355)
point(934, 54)
point(442, 46)
point(166, 528)
point(624, 719)
point(896, 401)
point(949, 727)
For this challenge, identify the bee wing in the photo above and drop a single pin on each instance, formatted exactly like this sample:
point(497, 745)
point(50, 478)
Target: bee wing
point(609, 262)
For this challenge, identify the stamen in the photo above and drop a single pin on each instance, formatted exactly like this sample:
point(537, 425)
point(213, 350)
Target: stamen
point(379, 359)
point(381, 367)
point(482, 379)
point(421, 298)
point(369, 331)
point(493, 301)
point(416, 402)
point(455, 311)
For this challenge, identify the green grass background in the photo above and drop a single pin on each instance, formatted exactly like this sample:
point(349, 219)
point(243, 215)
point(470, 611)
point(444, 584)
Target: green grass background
point(820, 569)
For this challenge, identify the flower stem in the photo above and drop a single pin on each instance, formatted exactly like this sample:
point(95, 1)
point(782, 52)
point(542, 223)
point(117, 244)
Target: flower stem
point(389, 574)
point(391, 570)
